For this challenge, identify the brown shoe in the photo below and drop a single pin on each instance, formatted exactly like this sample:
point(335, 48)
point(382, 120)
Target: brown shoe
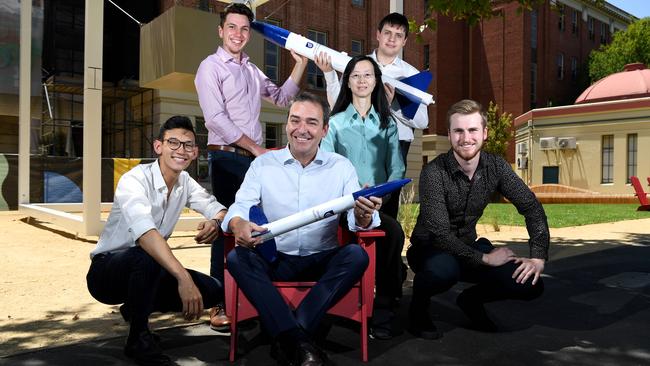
point(219, 321)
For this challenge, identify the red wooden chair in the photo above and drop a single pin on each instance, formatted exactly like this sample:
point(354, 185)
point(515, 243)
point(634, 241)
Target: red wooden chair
point(355, 305)
point(641, 195)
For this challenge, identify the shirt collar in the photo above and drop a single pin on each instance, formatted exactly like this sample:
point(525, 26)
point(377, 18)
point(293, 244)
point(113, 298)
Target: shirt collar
point(455, 167)
point(286, 158)
point(226, 57)
point(158, 179)
point(396, 60)
point(351, 114)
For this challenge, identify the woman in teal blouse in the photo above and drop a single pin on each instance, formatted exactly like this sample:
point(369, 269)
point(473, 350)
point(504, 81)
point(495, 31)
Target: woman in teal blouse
point(361, 128)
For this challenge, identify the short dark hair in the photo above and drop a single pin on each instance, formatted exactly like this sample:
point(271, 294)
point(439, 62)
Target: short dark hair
point(236, 8)
point(466, 106)
point(313, 98)
point(395, 19)
point(176, 122)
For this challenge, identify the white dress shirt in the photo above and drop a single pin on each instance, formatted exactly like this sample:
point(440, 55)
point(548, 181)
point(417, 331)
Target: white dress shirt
point(280, 185)
point(141, 204)
point(398, 69)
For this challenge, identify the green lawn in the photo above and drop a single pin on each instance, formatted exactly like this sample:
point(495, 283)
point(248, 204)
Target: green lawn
point(563, 215)
point(559, 215)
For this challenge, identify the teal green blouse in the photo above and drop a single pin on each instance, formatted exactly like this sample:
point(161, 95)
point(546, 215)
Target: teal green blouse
point(374, 152)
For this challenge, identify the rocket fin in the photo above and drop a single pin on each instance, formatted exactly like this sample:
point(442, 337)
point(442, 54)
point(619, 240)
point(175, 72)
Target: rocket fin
point(408, 102)
point(268, 250)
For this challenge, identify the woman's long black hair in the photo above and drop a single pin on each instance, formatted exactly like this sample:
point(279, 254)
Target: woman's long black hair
point(378, 97)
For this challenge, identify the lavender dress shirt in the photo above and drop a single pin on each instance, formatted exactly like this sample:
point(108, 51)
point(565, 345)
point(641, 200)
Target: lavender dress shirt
point(230, 95)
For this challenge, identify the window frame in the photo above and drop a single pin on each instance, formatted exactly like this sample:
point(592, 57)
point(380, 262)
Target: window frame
point(315, 77)
point(607, 159)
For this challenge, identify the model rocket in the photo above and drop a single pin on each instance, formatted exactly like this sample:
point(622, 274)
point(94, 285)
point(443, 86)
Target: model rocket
point(410, 91)
point(327, 209)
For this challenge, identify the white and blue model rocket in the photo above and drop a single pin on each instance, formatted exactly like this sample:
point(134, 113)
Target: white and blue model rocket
point(410, 91)
point(327, 209)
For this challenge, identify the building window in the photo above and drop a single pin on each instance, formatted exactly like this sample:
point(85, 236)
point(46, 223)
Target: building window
point(358, 3)
point(631, 155)
point(590, 27)
point(574, 22)
point(272, 135)
point(603, 33)
point(551, 175)
point(560, 21)
point(272, 57)
point(425, 53)
point(533, 85)
point(607, 164)
point(315, 78)
point(574, 69)
point(356, 48)
point(560, 66)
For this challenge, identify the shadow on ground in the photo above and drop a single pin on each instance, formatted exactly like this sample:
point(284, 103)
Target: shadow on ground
point(596, 310)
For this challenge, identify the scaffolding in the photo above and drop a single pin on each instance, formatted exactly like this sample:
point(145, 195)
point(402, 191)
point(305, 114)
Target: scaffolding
point(127, 119)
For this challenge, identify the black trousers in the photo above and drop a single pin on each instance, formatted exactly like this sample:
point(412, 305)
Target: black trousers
point(335, 272)
point(227, 172)
point(437, 271)
point(134, 278)
point(388, 260)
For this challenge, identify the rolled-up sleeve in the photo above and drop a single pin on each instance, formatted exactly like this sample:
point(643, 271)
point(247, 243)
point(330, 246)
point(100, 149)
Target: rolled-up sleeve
point(201, 201)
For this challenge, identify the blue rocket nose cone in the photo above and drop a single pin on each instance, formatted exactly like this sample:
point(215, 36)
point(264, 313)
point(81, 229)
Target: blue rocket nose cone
point(381, 189)
point(272, 33)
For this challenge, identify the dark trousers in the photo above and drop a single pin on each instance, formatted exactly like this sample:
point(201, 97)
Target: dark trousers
point(388, 277)
point(391, 205)
point(388, 260)
point(134, 278)
point(335, 271)
point(227, 171)
point(437, 271)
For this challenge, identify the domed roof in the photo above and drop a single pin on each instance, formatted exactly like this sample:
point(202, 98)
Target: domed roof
point(633, 82)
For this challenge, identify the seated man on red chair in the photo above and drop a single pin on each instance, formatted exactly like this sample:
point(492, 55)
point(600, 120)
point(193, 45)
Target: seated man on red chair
point(283, 182)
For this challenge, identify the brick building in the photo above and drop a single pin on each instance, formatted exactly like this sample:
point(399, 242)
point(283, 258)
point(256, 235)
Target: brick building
point(519, 60)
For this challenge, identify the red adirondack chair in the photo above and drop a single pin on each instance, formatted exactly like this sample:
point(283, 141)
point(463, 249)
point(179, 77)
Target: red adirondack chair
point(641, 195)
point(356, 304)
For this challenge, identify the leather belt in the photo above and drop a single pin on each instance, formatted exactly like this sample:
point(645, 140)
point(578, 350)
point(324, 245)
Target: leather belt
point(232, 149)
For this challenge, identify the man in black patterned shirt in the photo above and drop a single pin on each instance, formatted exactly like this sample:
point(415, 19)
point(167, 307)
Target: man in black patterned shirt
point(455, 188)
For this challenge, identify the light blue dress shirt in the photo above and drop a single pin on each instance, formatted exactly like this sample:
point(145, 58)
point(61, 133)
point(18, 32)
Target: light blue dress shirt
point(281, 186)
point(374, 152)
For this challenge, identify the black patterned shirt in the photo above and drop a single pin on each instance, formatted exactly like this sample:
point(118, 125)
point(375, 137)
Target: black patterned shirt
point(451, 205)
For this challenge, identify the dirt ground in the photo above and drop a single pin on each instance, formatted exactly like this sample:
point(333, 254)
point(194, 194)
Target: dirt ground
point(44, 301)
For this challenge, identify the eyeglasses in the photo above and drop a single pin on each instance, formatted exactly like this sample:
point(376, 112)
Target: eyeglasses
point(175, 144)
point(357, 77)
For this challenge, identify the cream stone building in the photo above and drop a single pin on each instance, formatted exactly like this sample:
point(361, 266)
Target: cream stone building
point(596, 144)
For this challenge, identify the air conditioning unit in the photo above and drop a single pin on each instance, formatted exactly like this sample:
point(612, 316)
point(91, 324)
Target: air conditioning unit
point(522, 148)
point(522, 162)
point(566, 142)
point(548, 143)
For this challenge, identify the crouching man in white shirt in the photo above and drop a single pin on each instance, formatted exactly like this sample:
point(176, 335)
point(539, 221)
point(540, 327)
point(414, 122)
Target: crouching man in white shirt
point(132, 263)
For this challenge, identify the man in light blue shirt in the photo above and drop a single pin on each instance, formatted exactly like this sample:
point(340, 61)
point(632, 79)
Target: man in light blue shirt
point(282, 183)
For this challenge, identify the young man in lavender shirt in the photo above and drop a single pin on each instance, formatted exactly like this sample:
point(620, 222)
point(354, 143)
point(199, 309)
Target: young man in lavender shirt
point(230, 89)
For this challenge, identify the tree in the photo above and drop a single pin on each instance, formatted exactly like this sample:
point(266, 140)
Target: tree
point(628, 46)
point(499, 131)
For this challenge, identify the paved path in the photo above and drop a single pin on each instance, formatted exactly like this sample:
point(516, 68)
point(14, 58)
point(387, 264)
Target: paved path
point(595, 311)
